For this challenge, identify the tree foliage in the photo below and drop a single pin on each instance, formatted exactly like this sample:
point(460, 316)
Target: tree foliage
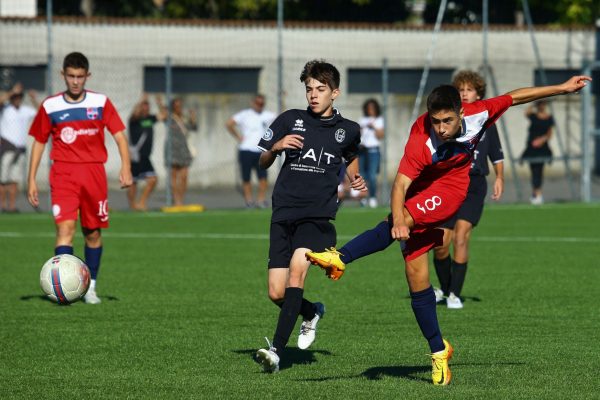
point(390, 11)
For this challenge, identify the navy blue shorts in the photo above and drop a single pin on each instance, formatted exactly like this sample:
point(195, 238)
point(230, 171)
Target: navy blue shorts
point(249, 161)
point(142, 169)
point(472, 208)
point(315, 234)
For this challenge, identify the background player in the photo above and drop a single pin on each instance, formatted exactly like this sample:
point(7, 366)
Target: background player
point(15, 118)
point(247, 127)
point(141, 139)
point(316, 142)
point(75, 119)
point(451, 272)
point(430, 185)
point(371, 133)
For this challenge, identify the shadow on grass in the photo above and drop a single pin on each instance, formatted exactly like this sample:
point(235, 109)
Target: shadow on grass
point(46, 298)
point(291, 356)
point(411, 372)
point(377, 373)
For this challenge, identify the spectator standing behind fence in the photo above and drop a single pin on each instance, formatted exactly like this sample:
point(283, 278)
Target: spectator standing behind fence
point(15, 118)
point(247, 127)
point(181, 155)
point(371, 132)
point(141, 138)
point(538, 151)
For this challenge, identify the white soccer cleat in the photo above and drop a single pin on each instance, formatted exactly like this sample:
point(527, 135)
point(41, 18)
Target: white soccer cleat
point(439, 294)
point(268, 358)
point(454, 301)
point(308, 329)
point(91, 297)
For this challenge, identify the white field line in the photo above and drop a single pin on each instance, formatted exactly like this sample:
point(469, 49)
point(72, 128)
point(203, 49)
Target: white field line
point(250, 236)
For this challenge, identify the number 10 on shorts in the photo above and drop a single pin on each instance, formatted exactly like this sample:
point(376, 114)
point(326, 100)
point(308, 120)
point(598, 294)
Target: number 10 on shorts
point(430, 204)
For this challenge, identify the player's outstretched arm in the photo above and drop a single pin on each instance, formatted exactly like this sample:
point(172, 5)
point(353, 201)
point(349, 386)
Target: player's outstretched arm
point(526, 95)
point(125, 177)
point(34, 162)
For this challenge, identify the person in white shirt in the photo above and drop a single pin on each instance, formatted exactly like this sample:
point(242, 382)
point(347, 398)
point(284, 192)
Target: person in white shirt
point(248, 127)
point(15, 118)
point(371, 133)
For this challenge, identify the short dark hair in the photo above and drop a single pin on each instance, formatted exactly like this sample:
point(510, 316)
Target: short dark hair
point(470, 78)
point(375, 105)
point(321, 71)
point(76, 60)
point(444, 97)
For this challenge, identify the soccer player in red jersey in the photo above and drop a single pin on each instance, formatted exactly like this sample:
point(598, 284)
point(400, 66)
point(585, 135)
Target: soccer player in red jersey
point(430, 185)
point(75, 119)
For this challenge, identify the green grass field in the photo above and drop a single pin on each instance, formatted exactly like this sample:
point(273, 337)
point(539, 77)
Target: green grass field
point(185, 308)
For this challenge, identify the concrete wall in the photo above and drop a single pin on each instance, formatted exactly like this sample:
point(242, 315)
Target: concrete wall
point(118, 53)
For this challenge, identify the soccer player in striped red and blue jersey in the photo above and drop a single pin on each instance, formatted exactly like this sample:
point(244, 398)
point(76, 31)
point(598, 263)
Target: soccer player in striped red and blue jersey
point(430, 186)
point(75, 120)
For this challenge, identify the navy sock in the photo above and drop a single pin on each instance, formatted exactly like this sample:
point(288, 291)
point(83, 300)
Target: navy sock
point(307, 309)
point(423, 305)
point(287, 317)
point(442, 270)
point(459, 273)
point(368, 242)
point(63, 250)
point(92, 259)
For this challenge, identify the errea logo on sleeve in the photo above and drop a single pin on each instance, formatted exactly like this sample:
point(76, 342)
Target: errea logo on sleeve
point(299, 126)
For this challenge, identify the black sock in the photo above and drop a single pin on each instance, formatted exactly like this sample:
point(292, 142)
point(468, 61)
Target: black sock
point(458, 273)
point(424, 308)
point(307, 309)
point(442, 269)
point(287, 317)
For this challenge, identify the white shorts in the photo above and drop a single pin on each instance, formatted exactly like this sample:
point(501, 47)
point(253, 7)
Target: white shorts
point(12, 164)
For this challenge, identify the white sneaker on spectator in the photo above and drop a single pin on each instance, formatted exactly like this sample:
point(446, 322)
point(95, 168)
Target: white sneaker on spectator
point(454, 301)
point(268, 358)
point(308, 329)
point(91, 297)
point(537, 200)
point(373, 202)
point(439, 294)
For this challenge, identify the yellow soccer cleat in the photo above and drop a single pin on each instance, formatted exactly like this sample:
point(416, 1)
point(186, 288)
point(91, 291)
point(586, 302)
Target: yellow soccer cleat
point(440, 371)
point(330, 261)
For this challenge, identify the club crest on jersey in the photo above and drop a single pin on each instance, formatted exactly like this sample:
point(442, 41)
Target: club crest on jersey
point(268, 135)
point(92, 113)
point(340, 135)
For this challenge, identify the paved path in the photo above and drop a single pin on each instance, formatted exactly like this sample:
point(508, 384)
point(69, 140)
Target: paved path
point(555, 190)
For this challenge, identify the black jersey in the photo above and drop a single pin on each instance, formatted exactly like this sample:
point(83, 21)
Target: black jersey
point(141, 134)
point(307, 183)
point(488, 146)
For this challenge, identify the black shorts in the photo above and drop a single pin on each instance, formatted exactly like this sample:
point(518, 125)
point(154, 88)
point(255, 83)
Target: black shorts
point(286, 236)
point(472, 208)
point(249, 161)
point(142, 169)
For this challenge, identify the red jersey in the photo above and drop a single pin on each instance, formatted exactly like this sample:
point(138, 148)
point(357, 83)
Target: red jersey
point(77, 129)
point(427, 158)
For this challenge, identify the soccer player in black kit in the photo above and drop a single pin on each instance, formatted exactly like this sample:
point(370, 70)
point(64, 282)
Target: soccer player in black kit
point(316, 142)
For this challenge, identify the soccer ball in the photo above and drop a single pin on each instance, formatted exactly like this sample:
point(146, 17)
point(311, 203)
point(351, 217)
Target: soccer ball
point(65, 278)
